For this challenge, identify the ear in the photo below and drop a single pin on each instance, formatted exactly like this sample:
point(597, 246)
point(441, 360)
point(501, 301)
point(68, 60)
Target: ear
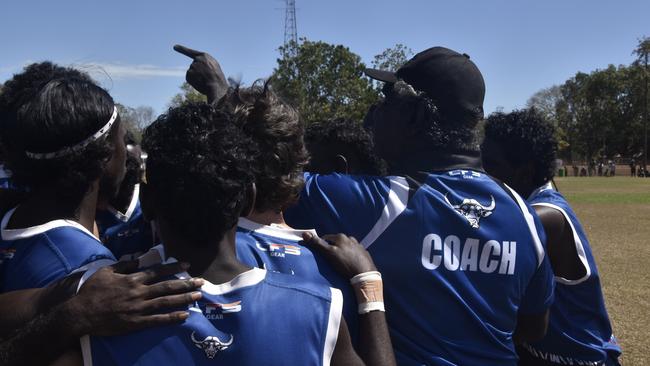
point(341, 164)
point(146, 202)
point(249, 205)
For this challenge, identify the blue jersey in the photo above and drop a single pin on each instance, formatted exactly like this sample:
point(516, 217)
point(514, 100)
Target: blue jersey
point(5, 178)
point(459, 254)
point(579, 329)
point(38, 255)
point(125, 233)
point(278, 249)
point(258, 318)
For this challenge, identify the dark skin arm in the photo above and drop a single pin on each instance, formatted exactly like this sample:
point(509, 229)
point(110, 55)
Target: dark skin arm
point(561, 246)
point(204, 74)
point(112, 301)
point(350, 258)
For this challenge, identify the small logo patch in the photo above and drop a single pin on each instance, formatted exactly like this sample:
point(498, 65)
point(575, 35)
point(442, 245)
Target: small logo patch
point(473, 210)
point(211, 345)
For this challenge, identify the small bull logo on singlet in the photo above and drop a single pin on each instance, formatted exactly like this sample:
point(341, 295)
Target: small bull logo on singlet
point(211, 345)
point(473, 210)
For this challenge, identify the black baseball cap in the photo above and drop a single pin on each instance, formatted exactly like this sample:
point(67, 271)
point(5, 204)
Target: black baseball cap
point(449, 78)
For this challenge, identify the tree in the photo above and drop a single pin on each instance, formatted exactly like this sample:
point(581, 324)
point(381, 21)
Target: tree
point(642, 51)
point(392, 58)
point(187, 94)
point(323, 81)
point(135, 119)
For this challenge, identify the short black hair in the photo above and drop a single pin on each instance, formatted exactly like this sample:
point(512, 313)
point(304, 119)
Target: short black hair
point(276, 128)
point(346, 136)
point(525, 136)
point(43, 113)
point(25, 84)
point(199, 167)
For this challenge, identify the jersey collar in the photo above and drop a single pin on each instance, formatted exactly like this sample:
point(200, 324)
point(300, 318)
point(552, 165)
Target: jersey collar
point(545, 187)
point(17, 234)
point(438, 161)
point(251, 277)
point(272, 230)
point(124, 217)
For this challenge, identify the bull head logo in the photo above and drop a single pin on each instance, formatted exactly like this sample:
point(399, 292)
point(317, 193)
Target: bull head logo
point(473, 210)
point(211, 345)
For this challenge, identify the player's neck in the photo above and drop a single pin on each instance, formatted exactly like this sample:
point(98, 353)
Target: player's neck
point(215, 261)
point(268, 217)
point(47, 205)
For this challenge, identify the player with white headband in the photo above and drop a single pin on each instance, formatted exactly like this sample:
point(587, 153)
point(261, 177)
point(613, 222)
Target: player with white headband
point(65, 145)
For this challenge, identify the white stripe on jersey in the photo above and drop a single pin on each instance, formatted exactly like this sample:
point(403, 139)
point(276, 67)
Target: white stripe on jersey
point(395, 205)
point(333, 325)
point(539, 248)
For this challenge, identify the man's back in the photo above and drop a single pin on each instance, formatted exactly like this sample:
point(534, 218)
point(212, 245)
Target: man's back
point(460, 257)
point(258, 318)
point(579, 327)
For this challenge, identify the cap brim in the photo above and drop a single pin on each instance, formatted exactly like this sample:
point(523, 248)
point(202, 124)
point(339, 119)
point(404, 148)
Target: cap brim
point(381, 75)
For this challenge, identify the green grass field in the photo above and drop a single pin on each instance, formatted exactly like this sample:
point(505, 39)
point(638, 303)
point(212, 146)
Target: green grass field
point(615, 212)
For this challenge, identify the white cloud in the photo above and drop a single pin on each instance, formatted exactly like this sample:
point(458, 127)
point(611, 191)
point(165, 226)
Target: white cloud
point(126, 71)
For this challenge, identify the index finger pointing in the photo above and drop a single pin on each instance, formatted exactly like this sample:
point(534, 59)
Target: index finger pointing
point(191, 53)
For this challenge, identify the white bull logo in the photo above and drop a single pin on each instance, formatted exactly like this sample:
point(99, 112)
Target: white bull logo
point(473, 210)
point(211, 345)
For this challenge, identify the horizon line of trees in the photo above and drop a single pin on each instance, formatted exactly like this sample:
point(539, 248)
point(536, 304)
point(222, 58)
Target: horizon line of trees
point(602, 113)
point(597, 114)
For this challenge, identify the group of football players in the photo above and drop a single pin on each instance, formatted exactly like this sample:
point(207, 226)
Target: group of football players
point(236, 235)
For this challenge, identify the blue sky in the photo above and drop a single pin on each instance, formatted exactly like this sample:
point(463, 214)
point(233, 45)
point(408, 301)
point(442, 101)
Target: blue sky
point(520, 46)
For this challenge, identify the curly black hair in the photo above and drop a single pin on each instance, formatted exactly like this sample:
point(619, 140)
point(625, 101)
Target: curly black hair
point(344, 137)
point(437, 130)
point(199, 167)
point(276, 128)
point(525, 136)
point(47, 108)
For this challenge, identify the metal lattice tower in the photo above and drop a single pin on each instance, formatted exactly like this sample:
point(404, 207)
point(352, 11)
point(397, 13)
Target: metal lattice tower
point(290, 29)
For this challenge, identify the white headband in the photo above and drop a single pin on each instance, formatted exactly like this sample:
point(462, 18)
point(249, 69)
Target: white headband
point(70, 149)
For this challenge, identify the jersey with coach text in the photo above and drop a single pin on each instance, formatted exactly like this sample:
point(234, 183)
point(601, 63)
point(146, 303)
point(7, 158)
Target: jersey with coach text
point(460, 257)
point(579, 329)
point(125, 233)
point(278, 249)
point(38, 255)
point(257, 318)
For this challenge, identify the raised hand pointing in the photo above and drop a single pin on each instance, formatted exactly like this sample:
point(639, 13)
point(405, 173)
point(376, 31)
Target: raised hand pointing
point(204, 74)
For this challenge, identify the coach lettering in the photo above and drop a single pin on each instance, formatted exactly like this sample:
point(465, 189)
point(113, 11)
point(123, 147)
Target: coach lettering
point(428, 261)
point(452, 252)
point(493, 255)
point(486, 264)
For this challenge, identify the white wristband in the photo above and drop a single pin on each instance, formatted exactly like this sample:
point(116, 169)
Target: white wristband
point(366, 276)
point(367, 307)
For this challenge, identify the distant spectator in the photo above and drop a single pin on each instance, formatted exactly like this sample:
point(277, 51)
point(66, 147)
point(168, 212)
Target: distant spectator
point(575, 170)
point(583, 172)
point(600, 168)
point(632, 168)
point(612, 168)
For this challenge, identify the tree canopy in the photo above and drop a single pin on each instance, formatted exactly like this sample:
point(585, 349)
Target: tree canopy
point(598, 114)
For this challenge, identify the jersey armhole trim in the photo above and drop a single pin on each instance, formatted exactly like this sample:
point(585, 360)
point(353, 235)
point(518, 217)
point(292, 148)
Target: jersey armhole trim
point(333, 325)
point(539, 248)
point(86, 351)
point(580, 249)
point(395, 205)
